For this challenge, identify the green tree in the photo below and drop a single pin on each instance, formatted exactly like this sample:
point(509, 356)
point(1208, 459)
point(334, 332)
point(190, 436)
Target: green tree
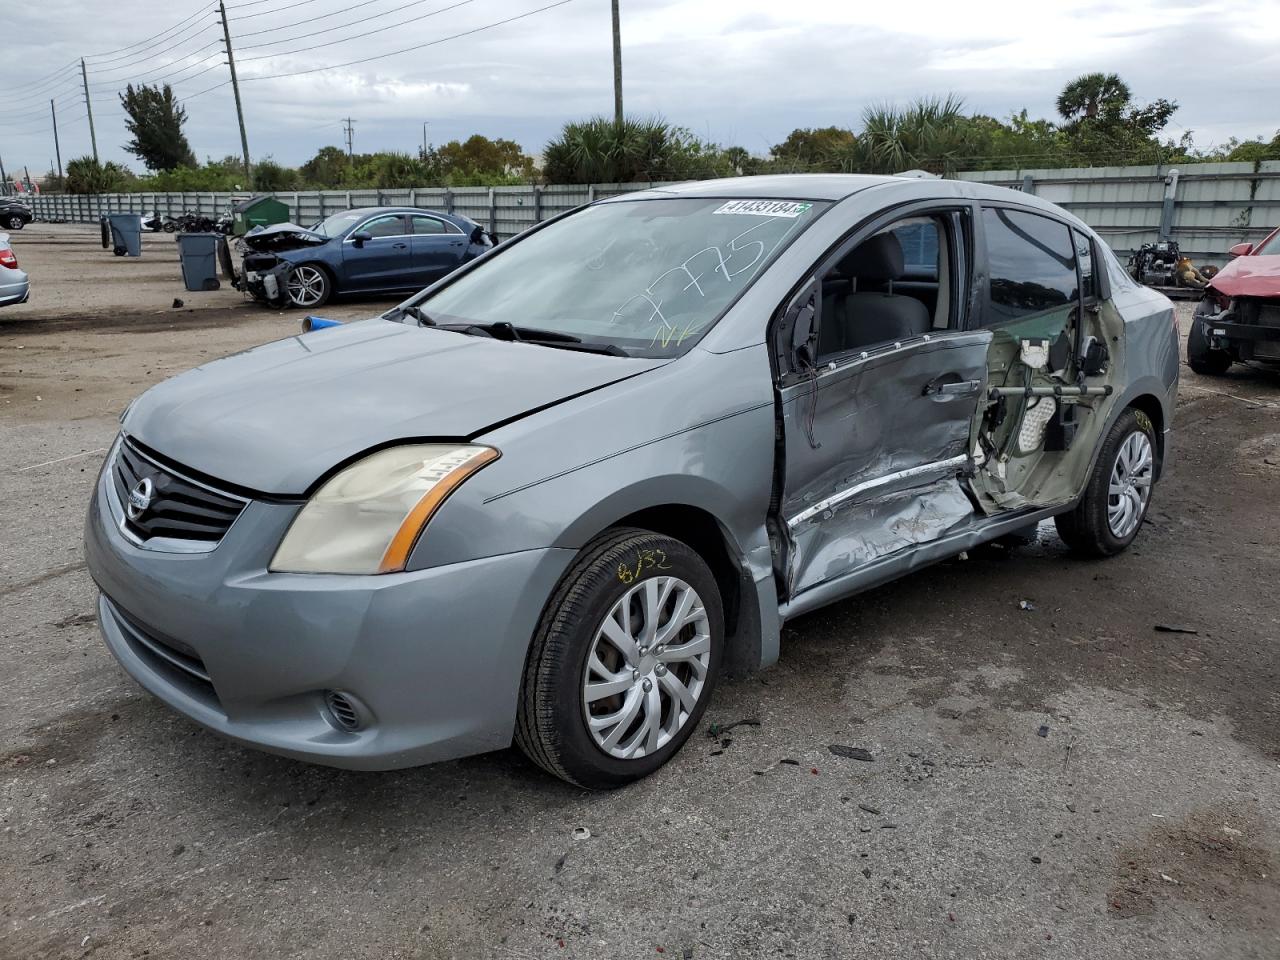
point(480, 155)
point(639, 150)
point(269, 176)
point(823, 149)
point(1093, 94)
point(87, 175)
point(329, 168)
point(155, 119)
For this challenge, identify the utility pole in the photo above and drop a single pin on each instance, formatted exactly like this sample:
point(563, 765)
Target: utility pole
point(235, 88)
point(351, 137)
point(424, 138)
point(4, 181)
point(88, 105)
point(617, 66)
point(56, 148)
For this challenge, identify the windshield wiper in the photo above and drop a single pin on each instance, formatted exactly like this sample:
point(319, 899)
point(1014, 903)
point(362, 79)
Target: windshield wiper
point(418, 315)
point(501, 330)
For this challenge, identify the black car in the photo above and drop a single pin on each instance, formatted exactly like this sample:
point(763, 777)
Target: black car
point(14, 214)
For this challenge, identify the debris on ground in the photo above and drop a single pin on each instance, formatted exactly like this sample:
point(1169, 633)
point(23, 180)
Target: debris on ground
point(789, 762)
point(1043, 731)
point(581, 833)
point(869, 809)
point(717, 729)
point(1167, 628)
point(851, 753)
point(1026, 605)
point(177, 304)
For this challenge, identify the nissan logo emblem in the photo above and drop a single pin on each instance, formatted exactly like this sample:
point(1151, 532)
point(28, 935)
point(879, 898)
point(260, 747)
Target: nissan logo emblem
point(140, 498)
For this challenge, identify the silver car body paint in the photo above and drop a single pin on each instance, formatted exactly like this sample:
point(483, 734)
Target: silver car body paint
point(15, 285)
point(435, 654)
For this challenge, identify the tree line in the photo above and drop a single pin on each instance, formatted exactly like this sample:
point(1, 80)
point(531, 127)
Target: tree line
point(1098, 123)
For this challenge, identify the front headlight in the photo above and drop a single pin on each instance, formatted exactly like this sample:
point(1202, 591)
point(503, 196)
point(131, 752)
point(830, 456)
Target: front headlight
point(369, 515)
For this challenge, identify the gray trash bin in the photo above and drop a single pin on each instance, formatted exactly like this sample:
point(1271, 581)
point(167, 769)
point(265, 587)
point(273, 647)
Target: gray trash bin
point(199, 254)
point(126, 234)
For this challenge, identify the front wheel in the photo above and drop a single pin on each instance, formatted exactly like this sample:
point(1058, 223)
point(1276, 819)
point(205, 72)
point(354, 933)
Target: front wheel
point(308, 286)
point(1109, 515)
point(624, 661)
point(1201, 357)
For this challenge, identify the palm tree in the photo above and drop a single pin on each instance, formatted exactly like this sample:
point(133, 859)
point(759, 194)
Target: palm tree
point(1093, 93)
point(930, 133)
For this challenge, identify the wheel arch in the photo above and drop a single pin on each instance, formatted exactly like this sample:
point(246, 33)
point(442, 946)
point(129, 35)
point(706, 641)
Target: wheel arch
point(693, 520)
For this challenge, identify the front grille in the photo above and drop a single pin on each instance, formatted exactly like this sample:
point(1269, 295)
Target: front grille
point(170, 658)
point(180, 508)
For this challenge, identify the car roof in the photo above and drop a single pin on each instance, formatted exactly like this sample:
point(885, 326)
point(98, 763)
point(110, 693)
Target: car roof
point(372, 211)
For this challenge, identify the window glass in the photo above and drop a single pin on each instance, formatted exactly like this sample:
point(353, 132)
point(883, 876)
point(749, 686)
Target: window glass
point(919, 240)
point(391, 226)
point(1032, 264)
point(1084, 256)
point(422, 225)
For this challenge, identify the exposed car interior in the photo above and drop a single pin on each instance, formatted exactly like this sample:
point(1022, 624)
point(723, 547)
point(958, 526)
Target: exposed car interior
point(890, 287)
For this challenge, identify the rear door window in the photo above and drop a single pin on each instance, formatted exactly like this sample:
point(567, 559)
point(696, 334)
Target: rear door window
point(1032, 264)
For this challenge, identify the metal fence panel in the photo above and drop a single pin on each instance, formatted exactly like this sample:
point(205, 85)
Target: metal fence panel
point(1215, 204)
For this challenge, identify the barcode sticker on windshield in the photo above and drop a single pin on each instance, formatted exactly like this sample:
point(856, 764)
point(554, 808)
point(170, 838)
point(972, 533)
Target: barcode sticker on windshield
point(766, 208)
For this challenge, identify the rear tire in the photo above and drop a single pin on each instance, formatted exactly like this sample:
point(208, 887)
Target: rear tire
point(659, 689)
point(1100, 525)
point(1201, 357)
point(15, 222)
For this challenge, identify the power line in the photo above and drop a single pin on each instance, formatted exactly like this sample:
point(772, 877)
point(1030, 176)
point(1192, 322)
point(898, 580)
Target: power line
point(142, 56)
point(204, 8)
point(325, 16)
point(43, 81)
point(418, 46)
point(355, 36)
point(264, 13)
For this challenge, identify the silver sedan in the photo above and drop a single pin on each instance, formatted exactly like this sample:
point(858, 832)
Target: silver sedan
point(15, 287)
point(551, 499)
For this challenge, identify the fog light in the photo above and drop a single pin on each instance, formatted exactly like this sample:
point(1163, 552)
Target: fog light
point(342, 711)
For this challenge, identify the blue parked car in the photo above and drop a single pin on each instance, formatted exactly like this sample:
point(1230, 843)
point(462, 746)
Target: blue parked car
point(367, 250)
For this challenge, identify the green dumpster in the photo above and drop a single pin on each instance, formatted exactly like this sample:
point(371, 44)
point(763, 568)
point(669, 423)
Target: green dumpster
point(257, 212)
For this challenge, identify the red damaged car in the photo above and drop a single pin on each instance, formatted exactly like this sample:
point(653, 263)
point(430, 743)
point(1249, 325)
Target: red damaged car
point(1239, 318)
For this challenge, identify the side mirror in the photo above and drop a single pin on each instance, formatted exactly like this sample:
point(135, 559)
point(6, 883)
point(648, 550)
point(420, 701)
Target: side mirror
point(360, 236)
point(797, 334)
point(1241, 250)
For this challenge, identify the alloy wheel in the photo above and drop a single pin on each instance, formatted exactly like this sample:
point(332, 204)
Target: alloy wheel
point(306, 286)
point(1130, 486)
point(647, 668)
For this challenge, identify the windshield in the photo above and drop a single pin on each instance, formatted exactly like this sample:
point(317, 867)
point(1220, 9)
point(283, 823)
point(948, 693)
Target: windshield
point(647, 276)
point(1270, 247)
point(336, 225)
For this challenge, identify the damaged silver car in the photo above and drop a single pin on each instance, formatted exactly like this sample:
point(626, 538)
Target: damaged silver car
point(553, 497)
point(370, 250)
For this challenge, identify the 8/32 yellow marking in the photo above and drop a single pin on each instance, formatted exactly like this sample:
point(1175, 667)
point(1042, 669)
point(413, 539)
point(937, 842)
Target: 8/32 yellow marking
point(645, 560)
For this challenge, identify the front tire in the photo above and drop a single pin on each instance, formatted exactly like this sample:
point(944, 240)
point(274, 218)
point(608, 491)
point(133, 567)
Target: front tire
point(1201, 357)
point(308, 286)
point(624, 661)
point(1115, 502)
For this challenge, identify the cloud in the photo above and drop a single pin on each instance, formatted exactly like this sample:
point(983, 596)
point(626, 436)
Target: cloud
point(743, 71)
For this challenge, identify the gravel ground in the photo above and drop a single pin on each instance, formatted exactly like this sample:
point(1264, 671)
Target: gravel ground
point(1066, 781)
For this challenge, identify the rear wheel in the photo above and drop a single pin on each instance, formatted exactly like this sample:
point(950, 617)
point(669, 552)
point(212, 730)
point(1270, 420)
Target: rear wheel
point(14, 222)
point(624, 661)
point(308, 286)
point(1109, 515)
point(1201, 357)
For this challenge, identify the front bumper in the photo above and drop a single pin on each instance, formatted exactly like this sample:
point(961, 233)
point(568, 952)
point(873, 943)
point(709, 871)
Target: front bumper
point(434, 656)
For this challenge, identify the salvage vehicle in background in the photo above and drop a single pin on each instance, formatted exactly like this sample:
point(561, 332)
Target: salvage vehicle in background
point(368, 250)
point(14, 214)
point(553, 496)
point(15, 286)
point(1239, 318)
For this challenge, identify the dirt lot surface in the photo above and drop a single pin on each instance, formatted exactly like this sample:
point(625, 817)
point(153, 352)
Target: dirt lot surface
point(1065, 781)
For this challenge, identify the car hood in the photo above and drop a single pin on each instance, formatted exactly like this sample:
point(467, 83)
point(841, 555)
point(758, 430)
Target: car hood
point(283, 236)
point(1249, 276)
point(276, 418)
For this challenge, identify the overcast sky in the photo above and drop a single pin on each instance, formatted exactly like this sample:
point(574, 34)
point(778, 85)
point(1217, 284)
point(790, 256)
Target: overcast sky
point(736, 71)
